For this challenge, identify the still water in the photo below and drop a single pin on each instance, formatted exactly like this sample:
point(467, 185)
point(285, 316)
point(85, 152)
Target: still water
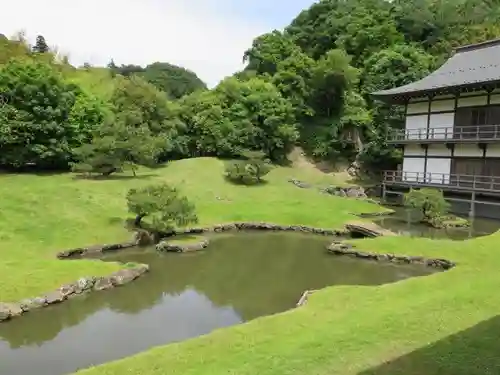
point(238, 278)
point(405, 222)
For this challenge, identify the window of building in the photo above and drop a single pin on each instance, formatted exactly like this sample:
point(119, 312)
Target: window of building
point(479, 116)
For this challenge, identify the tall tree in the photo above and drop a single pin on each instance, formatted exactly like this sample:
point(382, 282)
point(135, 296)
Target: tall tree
point(137, 103)
point(174, 80)
point(268, 51)
point(35, 125)
point(41, 45)
point(264, 118)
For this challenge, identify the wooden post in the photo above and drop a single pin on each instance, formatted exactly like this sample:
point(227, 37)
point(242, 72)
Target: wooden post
point(472, 212)
point(384, 193)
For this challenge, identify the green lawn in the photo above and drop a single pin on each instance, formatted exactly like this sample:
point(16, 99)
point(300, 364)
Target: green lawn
point(41, 215)
point(444, 324)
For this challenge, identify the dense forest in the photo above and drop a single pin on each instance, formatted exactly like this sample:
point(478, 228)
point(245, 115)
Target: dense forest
point(307, 85)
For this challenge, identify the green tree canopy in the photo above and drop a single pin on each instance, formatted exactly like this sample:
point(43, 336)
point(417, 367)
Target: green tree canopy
point(39, 124)
point(265, 119)
point(173, 80)
point(163, 205)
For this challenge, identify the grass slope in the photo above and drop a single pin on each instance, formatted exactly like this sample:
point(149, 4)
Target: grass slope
point(41, 215)
point(444, 324)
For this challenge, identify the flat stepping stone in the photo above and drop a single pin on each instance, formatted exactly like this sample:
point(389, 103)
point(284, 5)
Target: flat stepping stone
point(368, 229)
point(183, 245)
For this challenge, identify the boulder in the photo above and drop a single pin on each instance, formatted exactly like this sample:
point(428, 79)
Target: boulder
point(355, 192)
point(339, 247)
point(33, 303)
point(15, 309)
point(103, 283)
point(182, 247)
point(84, 284)
point(4, 312)
point(67, 290)
point(300, 184)
point(54, 297)
point(124, 276)
point(334, 190)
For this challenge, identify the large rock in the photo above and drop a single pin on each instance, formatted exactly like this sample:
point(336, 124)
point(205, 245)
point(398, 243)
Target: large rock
point(4, 312)
point(355, 192)
point(68, 290)
point(54, 297)
point(103, 283)
point(15, 309)
point(182, 247)
point(33, 303)
point(367, 229)
point(300, 184)
point(9, 310)
point(124, 276)
point(84, 284)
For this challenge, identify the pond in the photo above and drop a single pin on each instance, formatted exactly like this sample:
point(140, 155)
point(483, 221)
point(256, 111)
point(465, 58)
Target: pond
point(403, 223)
point(238, 278)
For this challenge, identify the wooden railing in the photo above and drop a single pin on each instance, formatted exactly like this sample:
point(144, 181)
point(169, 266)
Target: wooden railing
point(443, 180)
point(450, 133)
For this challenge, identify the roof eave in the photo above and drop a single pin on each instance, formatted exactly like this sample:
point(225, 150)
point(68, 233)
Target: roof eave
point(402, 97)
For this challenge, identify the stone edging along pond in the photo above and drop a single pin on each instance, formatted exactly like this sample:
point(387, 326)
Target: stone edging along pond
point(340, 248)
point(218, 228)
point(126, 275)
point(83, 285)
point(183, 247)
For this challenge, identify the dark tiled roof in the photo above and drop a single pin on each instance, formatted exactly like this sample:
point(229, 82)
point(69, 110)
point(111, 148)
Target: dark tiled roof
point(471, 65)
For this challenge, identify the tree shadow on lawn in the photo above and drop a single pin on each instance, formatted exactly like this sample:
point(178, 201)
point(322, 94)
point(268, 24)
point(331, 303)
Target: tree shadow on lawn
point(116, 177)
point(474, 351)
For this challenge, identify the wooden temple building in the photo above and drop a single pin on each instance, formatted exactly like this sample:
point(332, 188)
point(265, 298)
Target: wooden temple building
point(451, 138)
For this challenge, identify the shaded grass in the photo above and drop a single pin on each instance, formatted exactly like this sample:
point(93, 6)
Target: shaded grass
point(41, 215)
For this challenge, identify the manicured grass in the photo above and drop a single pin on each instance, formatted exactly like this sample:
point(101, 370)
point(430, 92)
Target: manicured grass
point(444, 324)
point(41, 215)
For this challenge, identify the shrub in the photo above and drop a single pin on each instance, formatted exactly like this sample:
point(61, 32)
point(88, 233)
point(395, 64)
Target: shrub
point(248, 171)
point(164, 206)
point(430, 202)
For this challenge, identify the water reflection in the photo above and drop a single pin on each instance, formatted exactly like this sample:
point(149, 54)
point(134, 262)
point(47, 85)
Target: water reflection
point(240, 277)
point(405, 222)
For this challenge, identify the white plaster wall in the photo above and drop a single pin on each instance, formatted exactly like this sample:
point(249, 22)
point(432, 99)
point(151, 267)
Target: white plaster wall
point(441, 125)
point(473, 101)
point(418, 107)
point(438, 170)
point(495, 99)
point(416, 126)
point(413, 150)
point(493, 151)
point(438, 150)
point(468, 150)
point(443, 105)
point(412, 166)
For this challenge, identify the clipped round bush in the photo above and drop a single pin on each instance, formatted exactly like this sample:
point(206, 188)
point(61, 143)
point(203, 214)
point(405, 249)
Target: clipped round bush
point(247, 172)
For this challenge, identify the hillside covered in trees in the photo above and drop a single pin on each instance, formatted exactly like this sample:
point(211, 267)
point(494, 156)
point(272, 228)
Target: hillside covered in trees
point(308, 84)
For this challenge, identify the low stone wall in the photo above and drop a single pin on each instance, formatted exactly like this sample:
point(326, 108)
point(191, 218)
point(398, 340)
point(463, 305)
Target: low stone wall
point(264, 227)
point(79, 251)
point(339, 248)
point(182, 247)
point(83, 285)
